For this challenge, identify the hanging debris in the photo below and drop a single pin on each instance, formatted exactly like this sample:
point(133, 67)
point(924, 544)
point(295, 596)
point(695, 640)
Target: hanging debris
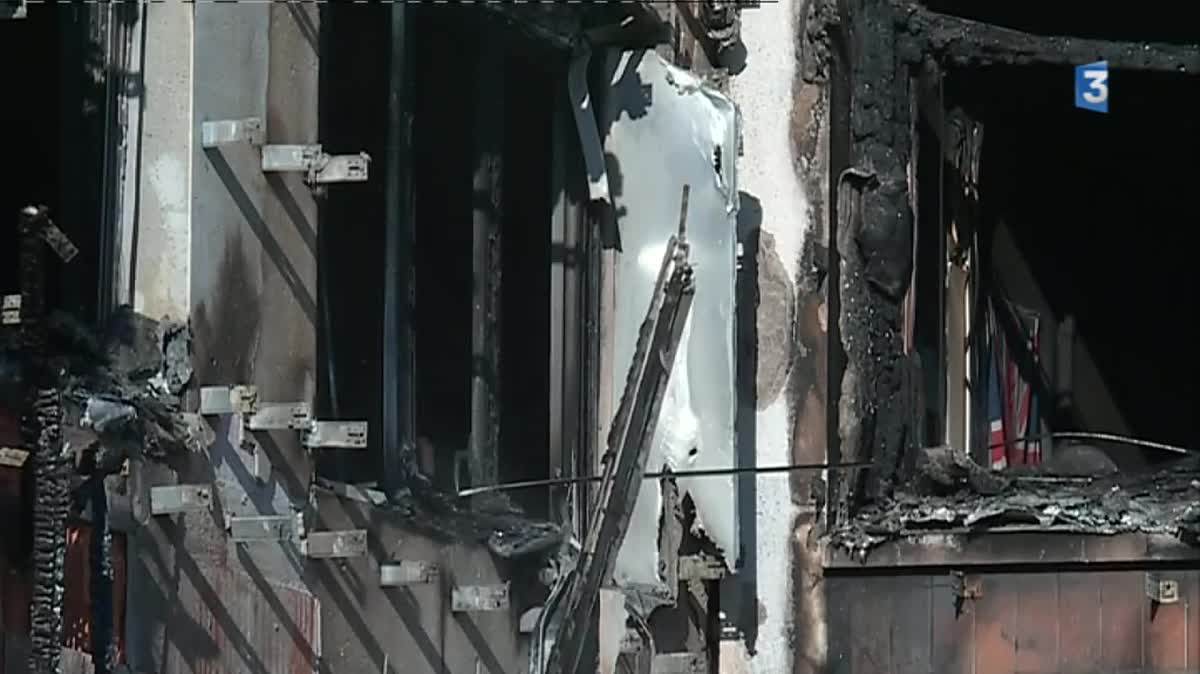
point(948, 499)
point(96, 401)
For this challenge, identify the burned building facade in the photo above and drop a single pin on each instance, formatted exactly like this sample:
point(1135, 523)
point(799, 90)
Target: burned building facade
point(814, 334)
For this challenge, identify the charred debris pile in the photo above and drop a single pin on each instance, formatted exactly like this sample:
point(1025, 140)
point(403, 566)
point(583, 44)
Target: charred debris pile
point(87, 403)
point(951, 494)
point(121, 389)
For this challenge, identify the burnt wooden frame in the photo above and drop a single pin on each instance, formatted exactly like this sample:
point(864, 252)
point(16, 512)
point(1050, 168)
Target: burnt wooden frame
point(880, 51)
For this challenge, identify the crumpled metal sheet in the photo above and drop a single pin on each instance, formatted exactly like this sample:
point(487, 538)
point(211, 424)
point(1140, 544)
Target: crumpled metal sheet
point(670, 130)
point(1161, 503)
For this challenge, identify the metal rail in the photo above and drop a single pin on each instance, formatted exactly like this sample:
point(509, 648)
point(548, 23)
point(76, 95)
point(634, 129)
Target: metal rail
point(698, 472)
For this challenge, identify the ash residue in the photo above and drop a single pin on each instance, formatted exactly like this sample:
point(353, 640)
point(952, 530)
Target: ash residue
point(948, 497)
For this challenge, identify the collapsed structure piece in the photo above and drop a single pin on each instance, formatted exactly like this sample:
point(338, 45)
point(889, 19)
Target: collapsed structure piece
point(632, 430)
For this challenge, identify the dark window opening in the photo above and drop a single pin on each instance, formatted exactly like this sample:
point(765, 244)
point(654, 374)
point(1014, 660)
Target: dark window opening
point(1087, 215)
point(355, 85)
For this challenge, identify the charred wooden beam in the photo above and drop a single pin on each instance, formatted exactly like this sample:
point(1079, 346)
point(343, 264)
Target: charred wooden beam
point(874, 242)
point(964, 42)
point(42, 430)
point(103, 646)
point(487, 221)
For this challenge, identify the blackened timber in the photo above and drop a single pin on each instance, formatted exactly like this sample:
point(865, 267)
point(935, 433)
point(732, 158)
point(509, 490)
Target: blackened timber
point(964, 42)
point(487, 209)
point(100, 555)
point(398, 366)
point(874, 239)
point(42, 430)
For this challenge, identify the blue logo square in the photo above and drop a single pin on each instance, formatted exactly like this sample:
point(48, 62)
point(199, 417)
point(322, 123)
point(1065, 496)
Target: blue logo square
point(1091, 86)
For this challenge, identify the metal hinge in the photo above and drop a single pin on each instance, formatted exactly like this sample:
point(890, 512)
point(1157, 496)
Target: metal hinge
point(232, 131)
point(1161, 590)
point(407, 572)
point(12, 9)
point(180, 498)
point(679, 663)
point(473, 598)
point(335, 544)
point(700, 567)
point(317, 166)
point(265, 528)
point(10, 310)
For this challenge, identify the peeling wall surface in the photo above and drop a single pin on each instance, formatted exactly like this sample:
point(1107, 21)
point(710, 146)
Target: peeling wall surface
point(770, 175)
point(687, 135)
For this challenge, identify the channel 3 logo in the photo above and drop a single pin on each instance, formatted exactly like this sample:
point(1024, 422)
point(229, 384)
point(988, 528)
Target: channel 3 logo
point(1091, 86)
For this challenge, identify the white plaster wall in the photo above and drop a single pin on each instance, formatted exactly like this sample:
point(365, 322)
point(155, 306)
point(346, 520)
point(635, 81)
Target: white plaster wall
point(162, 257)
point(764, 94)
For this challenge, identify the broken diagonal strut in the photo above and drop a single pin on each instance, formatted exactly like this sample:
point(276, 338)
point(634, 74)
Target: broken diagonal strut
point(632, 430)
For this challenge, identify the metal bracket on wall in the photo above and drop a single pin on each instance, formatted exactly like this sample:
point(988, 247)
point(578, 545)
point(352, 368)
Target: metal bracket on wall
point(317, 166)
point(679, 663)
point(700, 567)
point(180, 498)
point(12, 9)
point(10, 310)
point(262, 529)
point(335, 435)
point(1160, 590)
point(275, 416)
point(335, 544)
point(479, 598)
point(11, 457)
point(407, 572)
point(232, 131)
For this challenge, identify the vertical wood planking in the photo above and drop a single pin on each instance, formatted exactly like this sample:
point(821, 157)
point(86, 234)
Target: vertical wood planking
point(995, 624)
point(871, 621)
point(1191, 598)
point(1122, 607)
point(1078, 623)
point(1166, 630)
point(1035, 634)
point(953, 633)
point(912, 625)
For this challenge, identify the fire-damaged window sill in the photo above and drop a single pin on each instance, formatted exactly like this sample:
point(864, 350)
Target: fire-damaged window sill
point(1018, 546)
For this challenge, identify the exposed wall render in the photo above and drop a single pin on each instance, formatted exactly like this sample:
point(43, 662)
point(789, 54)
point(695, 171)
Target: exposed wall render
point(783, 175)
point(163, 208)
point(670, 130)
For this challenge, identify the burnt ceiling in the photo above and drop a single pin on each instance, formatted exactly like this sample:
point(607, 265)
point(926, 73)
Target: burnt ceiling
point(1153, 21)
